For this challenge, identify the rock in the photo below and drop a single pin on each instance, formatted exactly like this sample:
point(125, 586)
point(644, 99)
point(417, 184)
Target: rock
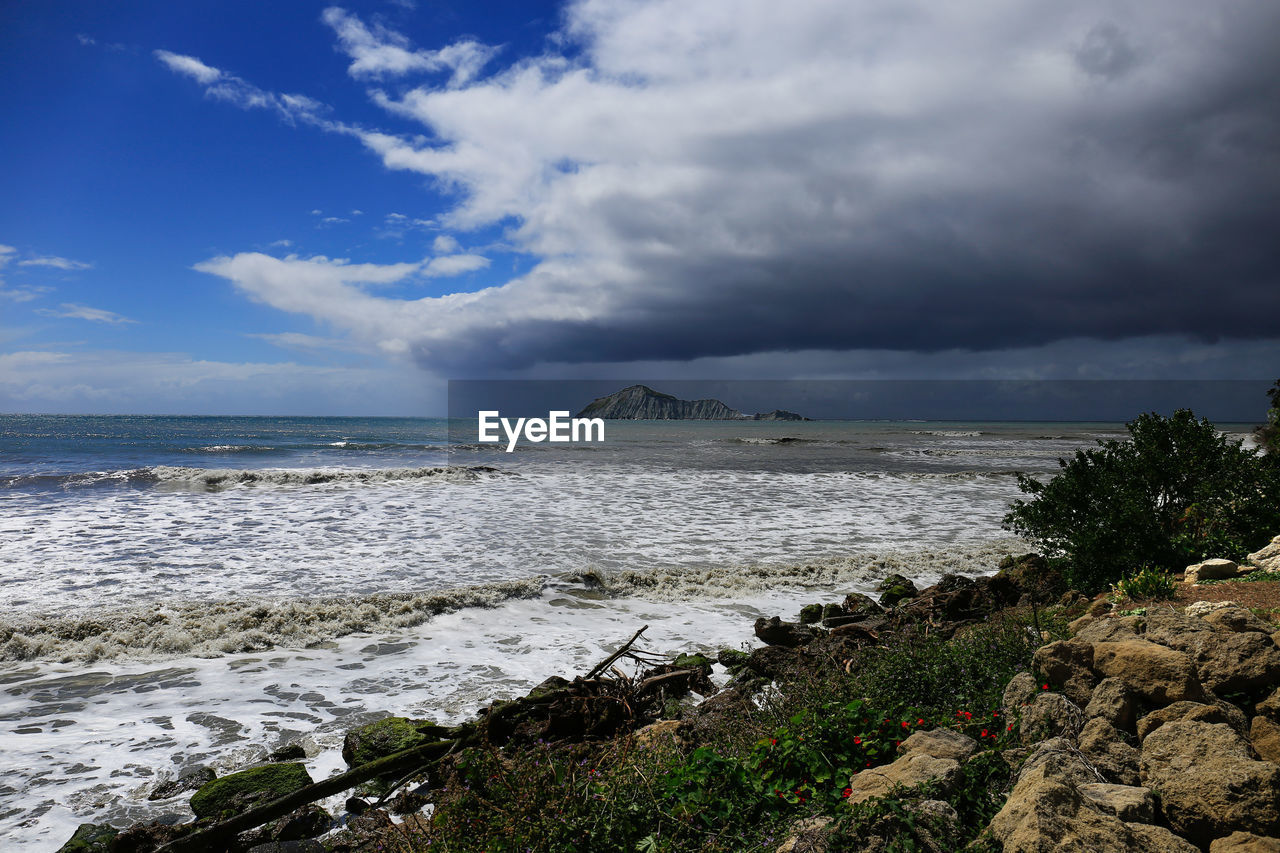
point(692, 661)
point(1210, 570)
point(1130, 803)
point(732, 659)
point(1233, 617)
point(1270, 707)
point(771, 662)
point(288, 752)
point(775, 632)
point(1209, 783)
point(1114, 702)
point(1245, 842)
point(940, 743)
point(386, 736)
point(857, 604)
point(895, 588)
point(807, 836)
point(1264, 734)
point(810, 613)
point(1075, 626)
point(1049, 715)
point(655, 734)
point(1181, 711)
point(190, 780)
point(1111, 629)
point(90, 838)
point(1104, 746)
point(239, 791)
point(1158, 675)
point(907, 771)
point(1268, 558)
point(1245, 663)
point(1202, 608)
point(1048, 814)
point(307, 822)
point(1021, 690)
point(1059, 760)
point(1070, 664)
point(309, 845)
point(1032, 575)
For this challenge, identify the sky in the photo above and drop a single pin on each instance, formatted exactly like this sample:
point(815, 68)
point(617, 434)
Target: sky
point(334, 208)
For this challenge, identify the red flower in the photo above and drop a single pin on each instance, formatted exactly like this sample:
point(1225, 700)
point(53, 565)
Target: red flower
point(773, 741)
point(1010, 728)
point(1044, 687)
point(920, 722)
point(857, 740)
point(846, 793)
point(905, 724)
point(984, 733)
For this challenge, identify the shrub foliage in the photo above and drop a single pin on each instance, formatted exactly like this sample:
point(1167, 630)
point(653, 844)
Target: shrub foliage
point(1175, 492)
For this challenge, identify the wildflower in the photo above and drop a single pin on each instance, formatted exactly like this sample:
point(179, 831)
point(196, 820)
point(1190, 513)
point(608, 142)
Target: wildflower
point(984, 733)
point(1044, 687)
point(773, 741)
point(846, 793)
point(857, 740)
point(905, 724)
point(920, 722)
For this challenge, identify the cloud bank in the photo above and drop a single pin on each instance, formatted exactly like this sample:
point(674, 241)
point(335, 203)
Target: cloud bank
point(719, 180)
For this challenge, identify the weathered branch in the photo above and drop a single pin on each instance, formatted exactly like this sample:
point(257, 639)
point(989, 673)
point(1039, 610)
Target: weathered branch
point(607, 662)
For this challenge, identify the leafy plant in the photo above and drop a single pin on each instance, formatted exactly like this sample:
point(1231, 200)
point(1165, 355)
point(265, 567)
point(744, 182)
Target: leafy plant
point(1269, 433)
point(1148, 583)
point(1175, 492)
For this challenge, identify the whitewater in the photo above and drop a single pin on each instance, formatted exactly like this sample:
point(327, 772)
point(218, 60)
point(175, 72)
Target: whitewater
point(194, 592)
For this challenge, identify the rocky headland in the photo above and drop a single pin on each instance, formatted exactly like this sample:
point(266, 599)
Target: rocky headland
point(1132, 728)
point(640, 402)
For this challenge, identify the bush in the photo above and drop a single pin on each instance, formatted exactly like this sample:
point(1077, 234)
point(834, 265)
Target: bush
point(1269, 433)
point(1175, 492)
point(1148, 583)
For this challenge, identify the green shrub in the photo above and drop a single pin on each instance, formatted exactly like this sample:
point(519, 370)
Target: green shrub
point(1269, 433)
point(1148, 583)
point(1175, 492)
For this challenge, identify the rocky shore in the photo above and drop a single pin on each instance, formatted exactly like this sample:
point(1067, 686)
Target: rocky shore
point(1145, 728)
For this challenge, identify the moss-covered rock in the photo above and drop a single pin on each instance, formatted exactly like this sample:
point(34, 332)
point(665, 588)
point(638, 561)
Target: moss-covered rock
point(693, 661)
point(895, 588)
point(387, 736)
point(810, 614)
point(90, 838)
point(734, 660)
point(237, 792)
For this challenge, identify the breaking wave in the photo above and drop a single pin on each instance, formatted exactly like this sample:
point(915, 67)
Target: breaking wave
point(947, 433)
point(213, 479)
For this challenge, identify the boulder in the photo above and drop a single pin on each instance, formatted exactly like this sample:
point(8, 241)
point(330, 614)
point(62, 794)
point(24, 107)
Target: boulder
point(1203, 608)
point(1114, 702)
point(732, 659)
point(1049, 715)
point(1158, 675)
point(1049, 814)
point(1233, 617)
point(389, 735)
point(1209, 782)
point(1070, 664)
point(1245, 842)
point(940, 743)
point(1060, 760)
point(1105, 747)
point(238, 792)
point(895, 588)
point(1182, 711)
point(810, 613)
point(807, 836)
point(1246, 663)
point(1264, 734)
point(908, 771)
point(659, 733)
point(1021, 690)
point(1130, 803)
point(1210, 570)
point(1270, 707)
point(857, 604)
point(189, 780)
point(1111, 628)
point(1180, 632)
point(775, 632)
point(1267, 558)
point(90, 838)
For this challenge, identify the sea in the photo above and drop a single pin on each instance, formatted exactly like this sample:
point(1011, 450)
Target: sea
point(187, 592)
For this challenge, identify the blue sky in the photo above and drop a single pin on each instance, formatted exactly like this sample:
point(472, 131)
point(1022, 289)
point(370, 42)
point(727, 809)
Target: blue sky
point(323, 208)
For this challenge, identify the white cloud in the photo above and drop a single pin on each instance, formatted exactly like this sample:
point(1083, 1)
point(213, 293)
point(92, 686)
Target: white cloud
point(448, 265)
point(239, 92)
point(190, 66)
point(22, 294)
point(444, 244)
point(309, 343)
point(55, 262)
point(380, 52)
point(6, 254)
point(74, 311)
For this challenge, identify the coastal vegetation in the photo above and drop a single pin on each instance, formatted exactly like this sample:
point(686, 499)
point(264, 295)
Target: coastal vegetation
point(1176, 491)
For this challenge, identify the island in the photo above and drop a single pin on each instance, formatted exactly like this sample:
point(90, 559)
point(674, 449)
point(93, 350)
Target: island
point(640, 402)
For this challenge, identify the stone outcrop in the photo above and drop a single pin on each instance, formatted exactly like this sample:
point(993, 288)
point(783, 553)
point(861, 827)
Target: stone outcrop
point(1267, 559)
point(1157, 674)
point(1211, 570)
point(915, 768)
point(1245, 842)
point(237, 792)
point(640, 402)
point(1209, 781)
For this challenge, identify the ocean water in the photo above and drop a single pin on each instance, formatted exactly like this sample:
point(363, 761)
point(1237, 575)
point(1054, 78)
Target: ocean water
point(195, 591)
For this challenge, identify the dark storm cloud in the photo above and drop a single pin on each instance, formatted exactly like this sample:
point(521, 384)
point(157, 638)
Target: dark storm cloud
point(861, 176)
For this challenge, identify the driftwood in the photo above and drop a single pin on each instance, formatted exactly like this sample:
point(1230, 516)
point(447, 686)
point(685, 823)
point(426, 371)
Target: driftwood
point(410, 762)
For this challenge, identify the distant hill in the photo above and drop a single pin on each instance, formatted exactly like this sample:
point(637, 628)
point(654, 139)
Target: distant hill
point(640, 402)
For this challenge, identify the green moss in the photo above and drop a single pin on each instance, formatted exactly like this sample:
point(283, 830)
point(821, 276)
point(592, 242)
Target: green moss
point(386, 736)
point(691, 661)
point(810, 613)
point(90, 838)
point(235, 793)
